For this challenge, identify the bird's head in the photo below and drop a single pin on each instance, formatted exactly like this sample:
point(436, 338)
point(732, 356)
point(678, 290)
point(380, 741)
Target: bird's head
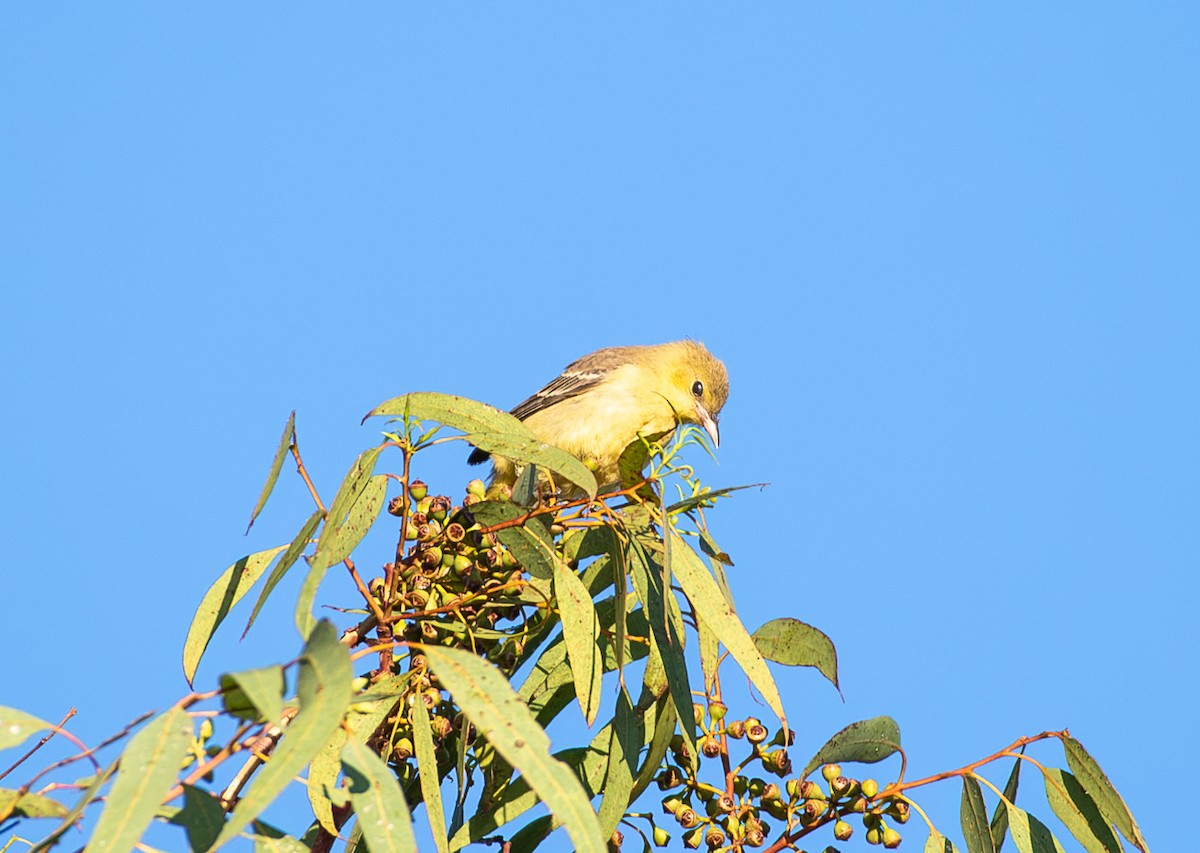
point(699, 386)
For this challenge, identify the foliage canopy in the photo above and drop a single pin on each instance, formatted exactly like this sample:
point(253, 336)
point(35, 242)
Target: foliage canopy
point(494, 616)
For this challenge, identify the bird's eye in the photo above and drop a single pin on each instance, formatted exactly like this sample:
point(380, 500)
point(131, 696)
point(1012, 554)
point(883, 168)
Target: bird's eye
point(698, 388)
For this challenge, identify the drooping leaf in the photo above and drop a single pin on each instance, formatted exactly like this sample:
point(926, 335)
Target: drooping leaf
point(866, 741)
point(1110, 803)
point(490, 430)
point(710, 649)
point(148, 768)
point(355, 508)
point(431, 791)
point(293, 552)
point(591, 766)
point(581, 633)
point(227, 591)
point(379, 803)
point(794, 643)
point(1079, 813)
point(666, 633)
point(285, 442)
point(72, 815)
point(624, 745)
point(16, 726)
point(324, 690)
point(999, 824)
point(462, 414)
point(338, 542)
point(532, 451)
point(659, 732)
point(1029, 834)
point(254, 694)
point(488, 700)
point(711, 605)
point(973, 815)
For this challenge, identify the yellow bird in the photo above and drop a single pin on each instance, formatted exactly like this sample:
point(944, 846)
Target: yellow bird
point(600, 403)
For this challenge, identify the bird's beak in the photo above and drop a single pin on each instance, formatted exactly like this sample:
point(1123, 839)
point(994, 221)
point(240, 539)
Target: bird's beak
point(710, 424)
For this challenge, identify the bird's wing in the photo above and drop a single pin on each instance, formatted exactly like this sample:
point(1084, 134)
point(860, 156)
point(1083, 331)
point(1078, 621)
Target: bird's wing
point(577, 377)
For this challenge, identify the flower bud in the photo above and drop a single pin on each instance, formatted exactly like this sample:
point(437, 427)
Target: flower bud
point(672, 805)
point(476, 488)
point(417, 490)
point(736, 730)
point(842, 831)
point(717, 710)
point(691, 840)
point(891, 838)
point(870, 788)
point(830, 772)
point(661, 837)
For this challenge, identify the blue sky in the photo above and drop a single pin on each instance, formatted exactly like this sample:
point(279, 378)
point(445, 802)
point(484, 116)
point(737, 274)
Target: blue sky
point(948, 254)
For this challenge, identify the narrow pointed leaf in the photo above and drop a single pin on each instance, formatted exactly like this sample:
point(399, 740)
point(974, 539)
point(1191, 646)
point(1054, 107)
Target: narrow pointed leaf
point(1110, 803)
point(666, 633)
point(866, 741)
point(488, 700)
point(324, 690)
point(431, 791)
point(794, 643)
point(490, 430)
point(581, 633)
point(1079, 813)
point(338, 543)
point(973, 814)
point(85, 799)
point(227, 591)
point(285, 442)
point(999, 824)
point(625, 742)
point(660, 733)
point(710, 649)
point(254, 694)
point(1029, 834)
point(711, 605)
point(16, 726)
point(461, 413)
point(338, 540)
point(379, 803)
point(289, 558)
point(533, 451)
point(148, 769)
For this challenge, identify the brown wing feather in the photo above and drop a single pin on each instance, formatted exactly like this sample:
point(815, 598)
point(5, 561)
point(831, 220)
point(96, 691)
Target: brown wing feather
point(577, 377)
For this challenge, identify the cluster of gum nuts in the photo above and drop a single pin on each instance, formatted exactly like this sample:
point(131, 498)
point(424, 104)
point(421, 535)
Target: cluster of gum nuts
point(733, 823)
